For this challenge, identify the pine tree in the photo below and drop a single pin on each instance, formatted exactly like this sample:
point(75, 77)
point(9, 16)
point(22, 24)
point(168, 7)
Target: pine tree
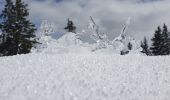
point(168, 42)
point(17, 31)
point(70, 26)
point(165, 44)
point(7, 27)
point(145, 47)
point(129, 46)
point(157, 42)
point(24, 35)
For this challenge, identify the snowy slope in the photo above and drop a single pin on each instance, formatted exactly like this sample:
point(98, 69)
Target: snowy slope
point(84, 77)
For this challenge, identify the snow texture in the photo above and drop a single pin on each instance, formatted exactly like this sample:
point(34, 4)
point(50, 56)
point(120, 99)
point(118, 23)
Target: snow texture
point(66, 69)
point(47, 28)
point(53, 76)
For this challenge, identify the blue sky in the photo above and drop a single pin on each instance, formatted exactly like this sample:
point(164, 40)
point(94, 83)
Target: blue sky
point(110, 15)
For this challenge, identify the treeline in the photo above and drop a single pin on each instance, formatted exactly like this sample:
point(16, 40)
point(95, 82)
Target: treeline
point(18, 33)
point(160, 43)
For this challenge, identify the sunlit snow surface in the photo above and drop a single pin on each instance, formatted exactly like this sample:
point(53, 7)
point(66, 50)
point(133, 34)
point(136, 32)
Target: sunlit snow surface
point(63, 71)
point(84, 77)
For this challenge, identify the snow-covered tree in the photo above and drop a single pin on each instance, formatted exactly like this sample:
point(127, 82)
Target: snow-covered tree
point(122, 35)
point(100, 38)
point(44, 34)
point(47, 28)
point(120, 43)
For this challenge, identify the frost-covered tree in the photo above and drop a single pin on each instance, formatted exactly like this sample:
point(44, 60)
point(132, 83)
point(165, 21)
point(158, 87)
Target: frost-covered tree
point(17, 31)
point(47, 28)
point(99, 37)
point(95, 35)
point(70, 26)
point(122, 35)
point(145, 47)
point(120, 43)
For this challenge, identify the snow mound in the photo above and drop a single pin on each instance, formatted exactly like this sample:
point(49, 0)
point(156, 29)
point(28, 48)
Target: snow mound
point(68, 43)
point(69, 39)
point(72, 43)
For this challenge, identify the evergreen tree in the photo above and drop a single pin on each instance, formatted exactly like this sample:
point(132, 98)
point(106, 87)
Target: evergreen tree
point(157, 42)
point(145, 47)
point(70, 26)
point(129, 46)
point(168, 42)
point(7, 27)
point(25, 38)
point(165, 44)
point(17, 31)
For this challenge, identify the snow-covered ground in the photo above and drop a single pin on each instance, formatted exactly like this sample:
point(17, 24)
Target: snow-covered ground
point(84, 77)
point(66, 69)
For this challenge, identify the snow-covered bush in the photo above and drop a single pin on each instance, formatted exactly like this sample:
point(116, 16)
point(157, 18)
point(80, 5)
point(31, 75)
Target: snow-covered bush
point(44, 34)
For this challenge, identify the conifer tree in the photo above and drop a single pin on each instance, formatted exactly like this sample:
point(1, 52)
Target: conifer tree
point(70, 26)
point(145, 47)
point(7, 27)
point(24, 35)
point(17, 31)
point(157, 42)
point(165, 44)
point(168, 43)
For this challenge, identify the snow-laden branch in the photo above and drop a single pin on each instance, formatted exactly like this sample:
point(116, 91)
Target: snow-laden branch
point(95, 29)
point(126, 26)
point(100, 38)
point(123, 31)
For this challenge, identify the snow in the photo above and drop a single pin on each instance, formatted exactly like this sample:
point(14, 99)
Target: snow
point(46, 27)
point(46, 76)
point(67, 69)
point(68, 43)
